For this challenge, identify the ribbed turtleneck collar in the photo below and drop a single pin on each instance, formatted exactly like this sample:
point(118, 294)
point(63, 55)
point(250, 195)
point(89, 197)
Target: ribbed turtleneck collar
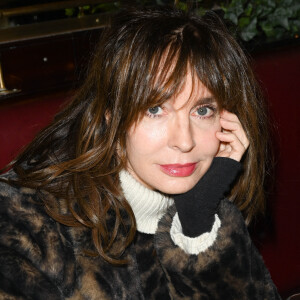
point(148, 206)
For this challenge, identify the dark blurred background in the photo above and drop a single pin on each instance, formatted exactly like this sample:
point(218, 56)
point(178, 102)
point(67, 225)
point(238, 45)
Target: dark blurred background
point(45, 47)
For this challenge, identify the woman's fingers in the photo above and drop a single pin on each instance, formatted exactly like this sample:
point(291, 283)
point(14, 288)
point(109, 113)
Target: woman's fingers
point(237, 129)
point(230, 121)
point(230, 146)
point(234, 141)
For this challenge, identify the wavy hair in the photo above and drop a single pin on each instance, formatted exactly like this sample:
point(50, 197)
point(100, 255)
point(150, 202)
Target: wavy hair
point(141, 61)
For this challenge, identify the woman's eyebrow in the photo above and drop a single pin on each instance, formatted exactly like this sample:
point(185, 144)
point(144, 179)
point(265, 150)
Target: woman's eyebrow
point(200, 101)
point(205, 100)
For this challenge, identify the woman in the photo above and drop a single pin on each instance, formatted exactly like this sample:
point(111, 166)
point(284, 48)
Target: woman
point(122, 196)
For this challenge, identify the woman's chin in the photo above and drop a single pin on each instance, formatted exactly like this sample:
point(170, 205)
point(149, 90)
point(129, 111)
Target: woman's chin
point(176, 189)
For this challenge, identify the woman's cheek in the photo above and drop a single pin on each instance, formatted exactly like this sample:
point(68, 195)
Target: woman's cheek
point(212, 143)
point(209, 143)
point(155, 129)
point(145, 138)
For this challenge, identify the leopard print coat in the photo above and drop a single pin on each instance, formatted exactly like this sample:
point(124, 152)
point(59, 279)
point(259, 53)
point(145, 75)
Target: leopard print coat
point(42, 259)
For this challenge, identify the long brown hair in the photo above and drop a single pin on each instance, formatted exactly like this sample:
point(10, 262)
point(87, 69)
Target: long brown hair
point(141, 61)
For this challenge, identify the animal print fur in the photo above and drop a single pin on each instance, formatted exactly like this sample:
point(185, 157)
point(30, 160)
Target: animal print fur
point(42, 259)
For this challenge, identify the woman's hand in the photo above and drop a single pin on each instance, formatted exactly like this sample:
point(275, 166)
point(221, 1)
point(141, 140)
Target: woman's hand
point(234, 141)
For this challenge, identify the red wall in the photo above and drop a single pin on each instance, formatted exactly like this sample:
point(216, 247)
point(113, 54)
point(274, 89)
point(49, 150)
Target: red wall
point(20, 121)
point(279, 72)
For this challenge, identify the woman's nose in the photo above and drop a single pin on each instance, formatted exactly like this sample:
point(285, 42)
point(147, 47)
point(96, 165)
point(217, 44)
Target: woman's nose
point(180, 135)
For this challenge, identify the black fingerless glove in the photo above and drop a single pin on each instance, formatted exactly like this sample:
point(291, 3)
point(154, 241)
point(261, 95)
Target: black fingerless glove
point(197, 207)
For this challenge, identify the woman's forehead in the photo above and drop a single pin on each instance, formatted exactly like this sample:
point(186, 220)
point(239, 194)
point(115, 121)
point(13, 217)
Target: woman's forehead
point(193, 92)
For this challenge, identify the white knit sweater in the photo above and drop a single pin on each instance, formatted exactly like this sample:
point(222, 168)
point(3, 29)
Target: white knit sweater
point(149, 206)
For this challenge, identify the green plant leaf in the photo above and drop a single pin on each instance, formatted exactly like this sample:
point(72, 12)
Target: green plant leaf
point(243, 22)
point(104, 7)
point(250, 31)
point(267, 29)
point(201, 11)
point(248, 10)
point(295, 10)
point(232, 17)
point(279, 33)
point(181, 5)
point(270, 3)
point(238, 9)
point(263, 11)
point(69, 12)
point(284, 12)
point(295, 26)
point(280, 18)
point(286, 3)
point(234, 10)
point(276, 19)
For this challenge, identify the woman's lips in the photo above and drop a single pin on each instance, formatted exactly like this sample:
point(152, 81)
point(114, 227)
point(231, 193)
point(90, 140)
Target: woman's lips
point(178, 169)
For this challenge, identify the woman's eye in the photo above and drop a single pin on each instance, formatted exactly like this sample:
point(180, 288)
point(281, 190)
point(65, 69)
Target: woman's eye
point(202, 111)
point(205, 111)
point(155, 111)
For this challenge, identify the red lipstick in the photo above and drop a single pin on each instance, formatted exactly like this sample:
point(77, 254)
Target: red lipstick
point(178, 170)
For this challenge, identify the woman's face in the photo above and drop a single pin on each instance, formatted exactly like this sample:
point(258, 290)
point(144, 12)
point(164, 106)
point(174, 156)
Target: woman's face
point(173, 145)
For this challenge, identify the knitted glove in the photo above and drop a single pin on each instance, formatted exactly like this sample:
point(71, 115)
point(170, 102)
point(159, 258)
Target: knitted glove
point(197, 207)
